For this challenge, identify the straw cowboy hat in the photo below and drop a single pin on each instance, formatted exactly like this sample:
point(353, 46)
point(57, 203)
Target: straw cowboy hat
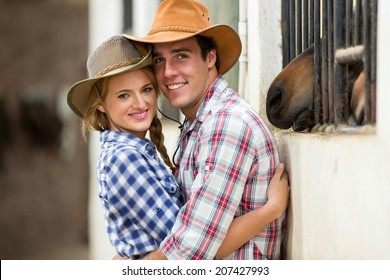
point(181, 19)
point(114, 56)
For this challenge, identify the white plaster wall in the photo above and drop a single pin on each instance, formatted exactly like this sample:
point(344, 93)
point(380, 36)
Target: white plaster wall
point(105, 19)
point(143, 15)
point(264, 50)
point(340, 198)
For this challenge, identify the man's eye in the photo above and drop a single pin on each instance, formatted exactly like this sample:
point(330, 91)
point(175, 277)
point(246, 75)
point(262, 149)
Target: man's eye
point(157, 60)
point(182, 56)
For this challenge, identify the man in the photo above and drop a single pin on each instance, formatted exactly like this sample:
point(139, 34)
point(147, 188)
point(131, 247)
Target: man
point(227, 155)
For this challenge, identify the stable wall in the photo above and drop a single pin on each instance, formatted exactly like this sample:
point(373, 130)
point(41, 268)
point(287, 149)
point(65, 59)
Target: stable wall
point(340, 197)
point(339, 200)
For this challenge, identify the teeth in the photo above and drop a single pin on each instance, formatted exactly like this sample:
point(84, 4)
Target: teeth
point(137, 115)
point(176, 86)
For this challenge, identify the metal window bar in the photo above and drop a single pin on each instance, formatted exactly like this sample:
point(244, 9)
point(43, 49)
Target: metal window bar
point(373, 47)
point(305, 24)
point(298, 22)
point(339, 30)
point(330, 44)
point(324, 64)
point(286, 32)
point(357, 33)
point(311, 23)
point(317, 64)
point(292, 29)
point(340, 70)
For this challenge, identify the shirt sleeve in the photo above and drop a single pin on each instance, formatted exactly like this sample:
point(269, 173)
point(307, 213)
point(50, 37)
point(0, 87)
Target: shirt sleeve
point(225, 157)
point(139, 211)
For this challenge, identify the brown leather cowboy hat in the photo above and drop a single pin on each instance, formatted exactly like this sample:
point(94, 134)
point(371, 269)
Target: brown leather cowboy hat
point(181, 19)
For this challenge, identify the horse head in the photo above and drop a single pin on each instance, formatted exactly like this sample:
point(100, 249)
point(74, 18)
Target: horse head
point(290, 97)
point(289, 101)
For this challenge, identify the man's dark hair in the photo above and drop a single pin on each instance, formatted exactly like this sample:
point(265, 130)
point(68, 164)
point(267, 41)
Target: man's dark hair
point(207, 44)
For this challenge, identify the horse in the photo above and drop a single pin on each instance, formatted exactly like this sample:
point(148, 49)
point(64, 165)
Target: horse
point(289, 101)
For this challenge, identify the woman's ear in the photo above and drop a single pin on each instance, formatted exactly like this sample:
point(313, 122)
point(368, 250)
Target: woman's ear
point(100, 107)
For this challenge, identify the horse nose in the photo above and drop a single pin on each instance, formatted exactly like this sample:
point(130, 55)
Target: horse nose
point(274, 100)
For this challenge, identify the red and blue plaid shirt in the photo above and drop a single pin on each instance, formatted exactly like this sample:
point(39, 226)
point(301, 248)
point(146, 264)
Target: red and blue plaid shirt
point(227, 158)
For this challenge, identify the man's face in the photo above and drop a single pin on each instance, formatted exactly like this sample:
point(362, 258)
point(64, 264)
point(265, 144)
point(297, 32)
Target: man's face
point(182, 74)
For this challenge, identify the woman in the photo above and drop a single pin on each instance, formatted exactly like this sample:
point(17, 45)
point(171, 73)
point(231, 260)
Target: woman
point(140, 196)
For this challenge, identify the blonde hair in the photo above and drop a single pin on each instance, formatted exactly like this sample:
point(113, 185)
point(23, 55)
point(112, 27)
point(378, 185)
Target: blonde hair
point(94, 119)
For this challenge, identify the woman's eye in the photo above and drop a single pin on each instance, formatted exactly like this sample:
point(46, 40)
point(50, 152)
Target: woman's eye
point(123, 96)
point(148, 89)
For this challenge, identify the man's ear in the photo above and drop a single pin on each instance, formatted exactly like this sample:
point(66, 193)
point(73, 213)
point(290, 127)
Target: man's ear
point(212, 58)
point(100, 107)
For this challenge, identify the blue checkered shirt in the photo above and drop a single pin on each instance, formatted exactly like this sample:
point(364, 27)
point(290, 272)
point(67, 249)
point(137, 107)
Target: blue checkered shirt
point(140, 196)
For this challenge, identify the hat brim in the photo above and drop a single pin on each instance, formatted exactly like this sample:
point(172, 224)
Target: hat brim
point(79, 93)
point(225, 37)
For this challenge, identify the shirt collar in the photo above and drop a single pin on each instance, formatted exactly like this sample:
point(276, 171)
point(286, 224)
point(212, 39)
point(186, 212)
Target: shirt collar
point(210, 100)
point(116, 137)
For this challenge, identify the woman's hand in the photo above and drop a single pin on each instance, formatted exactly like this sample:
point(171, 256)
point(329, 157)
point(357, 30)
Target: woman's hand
point(278, 191)
point(119, 257)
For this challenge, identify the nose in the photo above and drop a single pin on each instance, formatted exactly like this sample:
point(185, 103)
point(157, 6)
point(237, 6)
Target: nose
point(169, 69)
point(138, 101)
point(275, 104)
point(274, 100)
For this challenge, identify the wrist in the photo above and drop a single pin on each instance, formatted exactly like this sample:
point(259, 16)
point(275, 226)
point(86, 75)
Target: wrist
point(273, 210)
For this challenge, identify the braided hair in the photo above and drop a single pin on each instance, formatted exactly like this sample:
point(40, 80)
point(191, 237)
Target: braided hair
point(155, 129)
point(157, 137)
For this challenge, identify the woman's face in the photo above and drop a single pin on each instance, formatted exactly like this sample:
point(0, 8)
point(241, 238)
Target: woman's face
point(131, 102)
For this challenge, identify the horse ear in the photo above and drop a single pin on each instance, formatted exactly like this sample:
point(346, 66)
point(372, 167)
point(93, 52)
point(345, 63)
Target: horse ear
point(358, 99)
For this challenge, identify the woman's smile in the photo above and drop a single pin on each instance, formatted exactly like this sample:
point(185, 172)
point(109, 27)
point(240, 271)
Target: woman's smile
point(140, 115)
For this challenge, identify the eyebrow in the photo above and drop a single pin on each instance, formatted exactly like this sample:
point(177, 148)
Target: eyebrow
point(122, 91)
point(125, 90)
point(178, 50)
point(147, 85)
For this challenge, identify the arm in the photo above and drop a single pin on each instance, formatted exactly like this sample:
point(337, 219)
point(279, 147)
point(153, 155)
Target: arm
point(243, 228)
